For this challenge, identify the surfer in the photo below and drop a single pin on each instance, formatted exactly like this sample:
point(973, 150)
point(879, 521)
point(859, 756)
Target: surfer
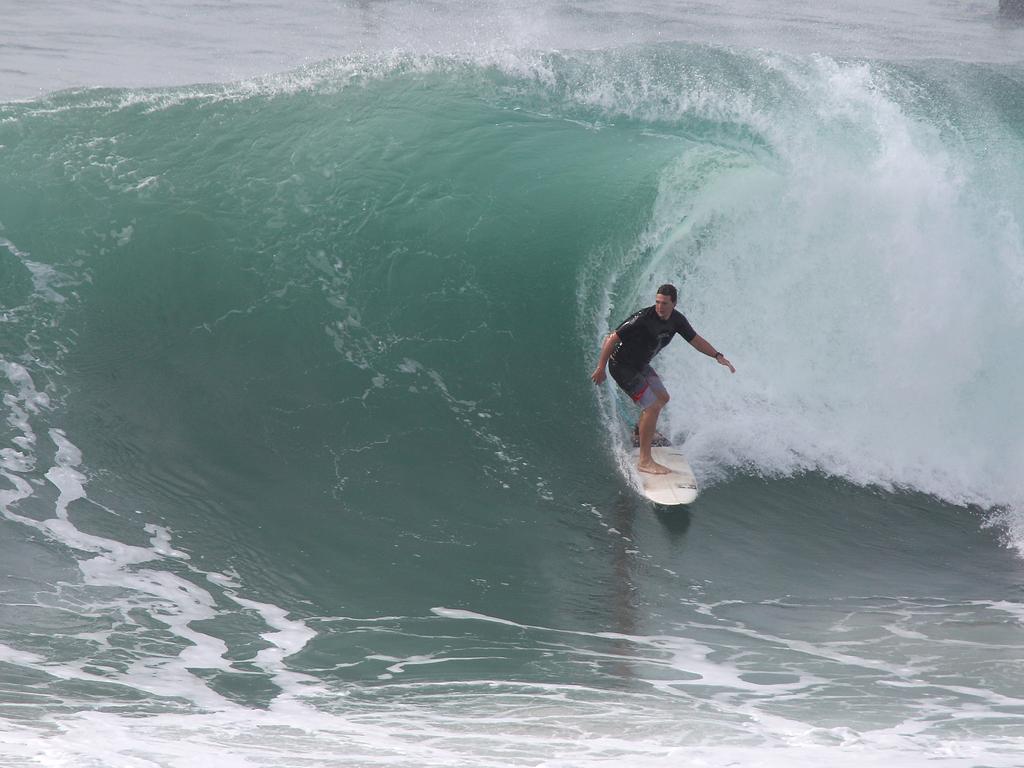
point(628, 351)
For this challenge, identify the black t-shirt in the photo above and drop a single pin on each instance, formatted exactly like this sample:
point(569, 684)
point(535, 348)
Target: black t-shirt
point(643, 335)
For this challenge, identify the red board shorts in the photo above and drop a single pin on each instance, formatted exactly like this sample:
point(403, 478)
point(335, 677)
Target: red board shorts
point(642, 387)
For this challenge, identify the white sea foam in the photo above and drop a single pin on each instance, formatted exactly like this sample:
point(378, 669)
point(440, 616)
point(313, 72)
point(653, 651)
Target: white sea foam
point(698, 711)
point(861, 269)
point(119, 578)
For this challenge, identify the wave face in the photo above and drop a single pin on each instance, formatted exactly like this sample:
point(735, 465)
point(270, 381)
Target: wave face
point(436, 236)
point(312, 347)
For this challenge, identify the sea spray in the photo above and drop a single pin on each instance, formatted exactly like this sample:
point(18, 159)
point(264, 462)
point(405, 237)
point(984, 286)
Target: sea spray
point(863, 270)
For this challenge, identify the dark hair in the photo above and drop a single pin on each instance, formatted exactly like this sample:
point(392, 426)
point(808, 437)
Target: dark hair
point(668, 290)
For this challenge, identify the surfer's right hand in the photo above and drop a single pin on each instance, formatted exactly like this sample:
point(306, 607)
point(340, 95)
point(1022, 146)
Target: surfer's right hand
point(598, 375)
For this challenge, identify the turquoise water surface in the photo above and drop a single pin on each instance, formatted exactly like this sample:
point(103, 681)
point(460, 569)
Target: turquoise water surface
point(302, 464)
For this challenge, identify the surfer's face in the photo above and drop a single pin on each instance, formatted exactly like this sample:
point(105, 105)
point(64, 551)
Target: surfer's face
point(663, 305)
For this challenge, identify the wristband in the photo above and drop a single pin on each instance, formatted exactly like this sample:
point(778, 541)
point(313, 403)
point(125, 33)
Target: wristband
point(718, 355)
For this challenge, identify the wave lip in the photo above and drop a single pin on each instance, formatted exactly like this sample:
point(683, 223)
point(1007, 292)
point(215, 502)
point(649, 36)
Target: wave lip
point(111, 45)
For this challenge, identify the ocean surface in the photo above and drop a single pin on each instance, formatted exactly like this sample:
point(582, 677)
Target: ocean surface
point(301, 464)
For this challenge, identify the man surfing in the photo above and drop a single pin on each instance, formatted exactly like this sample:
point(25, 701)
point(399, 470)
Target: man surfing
point(628, 351)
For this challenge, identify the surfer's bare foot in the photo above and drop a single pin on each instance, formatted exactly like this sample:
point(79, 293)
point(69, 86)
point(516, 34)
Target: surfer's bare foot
point(653, 468)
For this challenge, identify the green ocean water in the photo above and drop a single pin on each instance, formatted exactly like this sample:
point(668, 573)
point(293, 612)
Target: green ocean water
point(303, 463)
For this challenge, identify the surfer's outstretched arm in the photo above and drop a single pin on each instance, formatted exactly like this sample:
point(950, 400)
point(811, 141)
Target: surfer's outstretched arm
point(701, 344)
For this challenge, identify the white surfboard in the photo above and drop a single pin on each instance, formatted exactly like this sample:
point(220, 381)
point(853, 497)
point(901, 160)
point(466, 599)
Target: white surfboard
point(677, 487)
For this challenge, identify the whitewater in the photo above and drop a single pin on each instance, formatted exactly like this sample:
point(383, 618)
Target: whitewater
point(301, 462)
